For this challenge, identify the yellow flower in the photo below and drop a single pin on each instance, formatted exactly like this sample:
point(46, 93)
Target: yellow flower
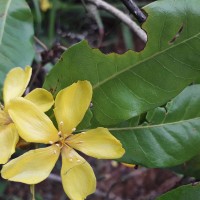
point(14, 86)
point(45, 5)
point(78, 178)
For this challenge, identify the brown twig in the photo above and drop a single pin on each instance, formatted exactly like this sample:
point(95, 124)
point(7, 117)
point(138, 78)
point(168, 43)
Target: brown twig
point(135, 10)
point(123, 17)
point(94, 13)
point(41, 43)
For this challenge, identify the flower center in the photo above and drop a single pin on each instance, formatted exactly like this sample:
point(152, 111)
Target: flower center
point(63, 137)
point(64, 143)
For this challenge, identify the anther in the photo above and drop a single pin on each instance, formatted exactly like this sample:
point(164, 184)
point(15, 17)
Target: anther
point(61, 123)
point(70, 159)
point(54, 151)
point(78, 160)
point(50, 142)
point(59, 133)
point(83, 132)
point(57, 145)
point(73, 129)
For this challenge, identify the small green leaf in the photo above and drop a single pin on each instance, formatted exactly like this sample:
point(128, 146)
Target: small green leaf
point(156, 115)
point(16, 36)
point(173, 141)
point(186, 192)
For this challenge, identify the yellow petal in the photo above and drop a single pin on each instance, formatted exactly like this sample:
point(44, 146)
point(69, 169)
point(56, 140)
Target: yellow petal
point(128, 165)
point(45, 5)
point(8, 140)
point(99, 143)
point(71, 104)
point(33, 166)
point(32, 124)
point(15, 83)
point(41, 98)
point(78, 178)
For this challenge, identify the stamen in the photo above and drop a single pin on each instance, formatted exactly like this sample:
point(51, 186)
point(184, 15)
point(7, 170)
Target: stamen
point(50, 142)
point(60, 133)
point(55, 152)
point(57, 145)
point(78, 160)
point(70, 159)
point(83, 132)
point(73, 129)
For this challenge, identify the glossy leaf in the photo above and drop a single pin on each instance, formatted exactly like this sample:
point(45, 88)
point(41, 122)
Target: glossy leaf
point(185, 192)
point(16, 36)
point(169, 143)
point(85, 123)
point(130, 84)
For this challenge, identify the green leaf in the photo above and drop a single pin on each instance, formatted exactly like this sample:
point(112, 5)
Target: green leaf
point(156, 115)
point(130, 84)
point(169, 143)
point(16, 36)
point(85, 123)
point(130, 123)
point(186, 192)
point(3, 186)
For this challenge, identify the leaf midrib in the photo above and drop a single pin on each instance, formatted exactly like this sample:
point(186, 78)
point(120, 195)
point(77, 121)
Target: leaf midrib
point(144, 60)
point(152, 126)
point(144, 127)
point(4, 21)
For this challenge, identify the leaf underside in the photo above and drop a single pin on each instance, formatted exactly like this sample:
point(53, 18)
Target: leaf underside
point(16, 36)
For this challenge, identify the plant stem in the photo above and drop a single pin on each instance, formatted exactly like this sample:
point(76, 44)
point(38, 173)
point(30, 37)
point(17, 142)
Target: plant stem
point(37, 15)
point(123, 17)
point(135, 10)
point(52, 18)
point(32, 189)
